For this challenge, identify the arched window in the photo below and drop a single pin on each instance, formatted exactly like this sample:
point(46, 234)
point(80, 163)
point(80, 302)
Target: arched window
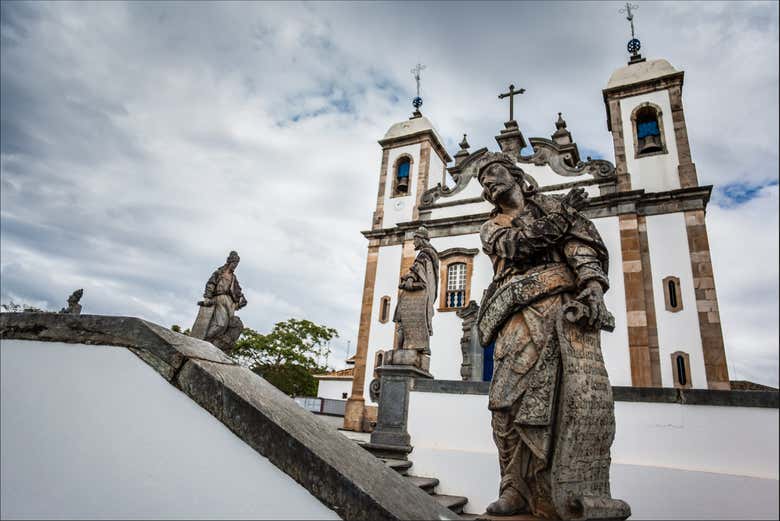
point(672, 294)
point(681, 370)
point(401, 175)
point(648, 130)
point(384, 309)
point(456, 285)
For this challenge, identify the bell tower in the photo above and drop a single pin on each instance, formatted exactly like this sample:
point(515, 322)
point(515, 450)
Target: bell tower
point(663, 234)
point(413, 160)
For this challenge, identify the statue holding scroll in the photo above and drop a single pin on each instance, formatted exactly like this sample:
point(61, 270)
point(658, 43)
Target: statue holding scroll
point(216, 321)
point(419, 287)
point(550, 398)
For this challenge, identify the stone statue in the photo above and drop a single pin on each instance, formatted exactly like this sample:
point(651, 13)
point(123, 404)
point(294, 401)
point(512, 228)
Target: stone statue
point(551, 401)
point(74, 308)
point(216, 321)
point(419, 288)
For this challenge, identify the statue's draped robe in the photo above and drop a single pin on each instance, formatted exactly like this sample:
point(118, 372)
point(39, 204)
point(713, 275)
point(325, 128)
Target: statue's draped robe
point(225, 292)
point(424, 275)
point(548, 241)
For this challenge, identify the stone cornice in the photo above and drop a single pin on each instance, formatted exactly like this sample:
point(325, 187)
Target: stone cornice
point(642, 87)
point(763, 399)
point(466, 252)
point(609, 205)
point(417, 137)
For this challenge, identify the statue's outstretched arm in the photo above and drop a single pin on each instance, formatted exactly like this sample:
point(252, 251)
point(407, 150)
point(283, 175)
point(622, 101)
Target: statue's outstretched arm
point(522, 241)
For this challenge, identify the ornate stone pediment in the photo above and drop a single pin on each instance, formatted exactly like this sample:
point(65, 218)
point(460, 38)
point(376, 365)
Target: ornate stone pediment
point(560, 159)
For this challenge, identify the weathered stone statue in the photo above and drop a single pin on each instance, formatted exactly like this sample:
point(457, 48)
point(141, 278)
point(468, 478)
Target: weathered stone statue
point(551, 401)
point(419, 288)
point(216, 321)
point(74, 308)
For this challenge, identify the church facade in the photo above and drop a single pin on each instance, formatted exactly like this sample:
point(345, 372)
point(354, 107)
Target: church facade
point(648, 207)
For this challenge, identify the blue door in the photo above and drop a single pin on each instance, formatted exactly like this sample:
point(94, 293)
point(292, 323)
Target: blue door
point(487, 363)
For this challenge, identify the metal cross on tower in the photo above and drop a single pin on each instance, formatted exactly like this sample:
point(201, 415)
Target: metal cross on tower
point(511, 94)
point(630, 15)
point(417, 101)
point(633, 44)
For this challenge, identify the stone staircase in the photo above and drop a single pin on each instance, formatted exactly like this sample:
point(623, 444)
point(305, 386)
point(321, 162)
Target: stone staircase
point(428, 485)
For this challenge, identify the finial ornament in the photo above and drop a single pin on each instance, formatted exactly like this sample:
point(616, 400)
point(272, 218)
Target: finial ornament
point(561, 123)
point(464, 144)
point(417, 101)
point(633, 44)
point(511, 94)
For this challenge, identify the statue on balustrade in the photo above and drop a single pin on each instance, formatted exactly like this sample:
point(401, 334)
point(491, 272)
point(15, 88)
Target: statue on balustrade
point(550, 398)
point(419, 288)
point(74, 308)
point(216, 321)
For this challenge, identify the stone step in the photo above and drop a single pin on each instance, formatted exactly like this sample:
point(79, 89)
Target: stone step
point(454, 503)
point(427, 484)
point(398, 465)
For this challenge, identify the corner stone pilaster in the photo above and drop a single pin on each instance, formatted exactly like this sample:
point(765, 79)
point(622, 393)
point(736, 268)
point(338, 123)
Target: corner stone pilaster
point(706, 302)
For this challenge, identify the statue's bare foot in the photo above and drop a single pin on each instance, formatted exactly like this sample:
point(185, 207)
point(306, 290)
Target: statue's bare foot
point(509, 503)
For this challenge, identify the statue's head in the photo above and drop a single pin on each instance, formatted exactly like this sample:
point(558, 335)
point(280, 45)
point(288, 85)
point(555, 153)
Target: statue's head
point(421, 237)
point(502, 176)
point(232, 260)
point(75, 296)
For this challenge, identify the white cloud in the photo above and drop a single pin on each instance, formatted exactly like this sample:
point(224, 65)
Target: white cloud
point(143, 141)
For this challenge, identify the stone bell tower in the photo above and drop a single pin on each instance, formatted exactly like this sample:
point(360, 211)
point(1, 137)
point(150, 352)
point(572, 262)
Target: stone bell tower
point(413, 160)
point(667, 269)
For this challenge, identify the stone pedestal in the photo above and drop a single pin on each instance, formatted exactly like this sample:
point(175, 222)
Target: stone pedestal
point(511, 140)
point(390, 437)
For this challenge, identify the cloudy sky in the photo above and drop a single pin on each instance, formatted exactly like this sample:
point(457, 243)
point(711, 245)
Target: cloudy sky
point(141, 142)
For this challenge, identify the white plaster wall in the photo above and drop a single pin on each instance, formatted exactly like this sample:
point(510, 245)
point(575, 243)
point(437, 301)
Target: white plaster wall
point(91, 432)
point(614, 346)
point(333, 388)
point(670, 461)
point(654, 173)
point(381, 336)
point(435, 169)
point(461, 209)
point(399, 209)
point(446, 357)
point(669, 255)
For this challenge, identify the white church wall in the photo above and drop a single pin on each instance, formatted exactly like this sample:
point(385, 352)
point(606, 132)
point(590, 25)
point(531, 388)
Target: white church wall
point(658, 172)
point(334, 389)
point(546, 176)
point(446, 356)
point(399, 209)
point(94, 432)
point(614, 345)
point(677, 331)
point(460, 210)
point(381, 335)
point(670, 461)
point(435, 169)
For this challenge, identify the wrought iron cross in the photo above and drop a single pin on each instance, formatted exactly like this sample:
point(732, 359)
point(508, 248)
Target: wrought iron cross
point(416, 71)
point(511, 94)
point(630, 15)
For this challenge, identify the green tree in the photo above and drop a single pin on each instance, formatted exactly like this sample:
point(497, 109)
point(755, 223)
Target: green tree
point(288, 356)
point(177, 329)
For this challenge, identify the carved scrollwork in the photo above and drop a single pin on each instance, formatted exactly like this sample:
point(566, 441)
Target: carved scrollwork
point(547, 152)
point(373, 389)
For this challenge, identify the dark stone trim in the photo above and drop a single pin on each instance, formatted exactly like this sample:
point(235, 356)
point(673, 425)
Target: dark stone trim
point(468, 252)
point(333, 468)
point(607, 205)
point(417, 137)
point(450, 386)
point(762, 399)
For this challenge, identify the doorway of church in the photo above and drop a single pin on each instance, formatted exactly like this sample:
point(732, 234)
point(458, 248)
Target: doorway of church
point(487, 363)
